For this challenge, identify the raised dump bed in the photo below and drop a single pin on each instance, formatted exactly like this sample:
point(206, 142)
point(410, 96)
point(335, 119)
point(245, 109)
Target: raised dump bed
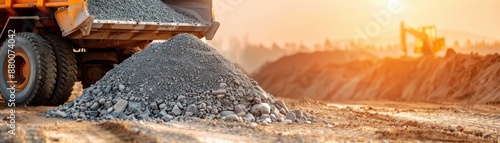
point(45, 34)
point(86, 21)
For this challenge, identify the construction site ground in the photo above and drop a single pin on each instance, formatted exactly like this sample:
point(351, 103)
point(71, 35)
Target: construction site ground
point(371, 121)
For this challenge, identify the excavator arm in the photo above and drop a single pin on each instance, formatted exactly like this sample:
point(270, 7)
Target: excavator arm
point(424, 37)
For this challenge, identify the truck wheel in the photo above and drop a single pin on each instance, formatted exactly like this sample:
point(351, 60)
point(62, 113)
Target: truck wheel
point(66, 69)
point(29, 70)
point(94, 72)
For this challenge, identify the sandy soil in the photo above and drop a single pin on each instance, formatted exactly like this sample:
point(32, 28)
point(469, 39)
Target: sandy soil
point(332, 122)
point(459, 78)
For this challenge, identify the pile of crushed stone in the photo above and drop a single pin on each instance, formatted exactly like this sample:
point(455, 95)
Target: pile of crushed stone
point(137, 10)
point(180, 79)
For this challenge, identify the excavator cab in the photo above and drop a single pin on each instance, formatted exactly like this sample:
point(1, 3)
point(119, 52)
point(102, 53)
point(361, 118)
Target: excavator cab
point(426, 42)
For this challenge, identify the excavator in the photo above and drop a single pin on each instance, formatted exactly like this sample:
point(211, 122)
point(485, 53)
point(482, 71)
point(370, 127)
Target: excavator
point(48, 45)
point(426, 42)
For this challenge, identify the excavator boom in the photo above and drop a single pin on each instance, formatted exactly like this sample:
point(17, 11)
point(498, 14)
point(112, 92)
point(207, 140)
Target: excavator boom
point(426, 41)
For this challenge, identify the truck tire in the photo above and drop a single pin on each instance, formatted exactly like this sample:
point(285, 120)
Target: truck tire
point(35, 70)
point(97, 73)
point(66, 69)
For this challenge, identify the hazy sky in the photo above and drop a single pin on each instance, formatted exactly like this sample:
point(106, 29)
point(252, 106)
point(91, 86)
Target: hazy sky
point(267, 21)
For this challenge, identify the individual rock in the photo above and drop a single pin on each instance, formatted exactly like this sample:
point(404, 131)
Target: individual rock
point(108, 104)
point(133, 106)
point(110, 110)
point(222, 85)
point(181, 97)
point(242, 114)
point(109, 117)
point(287, 121)
point(61, 114)
point(54, 138)
point(486, 135)
point(265, 116)
point(282, 105)
point(245, 102)
point(253, 125)
point(256, 109)
point(188, 114)
point(92, 113)
point(104, 112)
point(451, 129)
point(273, 117)
point(214, 111)
point(167, 117)
point(96, 91)
point(265, 108)
point(220, 96)
point(176, 111)
point(460, 128)
point(162, 106)
point(232, 117)
point(121, 87)
point(227, 113)
point(250, 118)
point(239, 108)
point(75, 116)
point(298, 114)
point(120, 106)
point(291, 116)
point(179, 105)
point(154, 106)
point(95, 106)
point(163, 113)
point(193, 109)
point(219, 92)
point(102, 101)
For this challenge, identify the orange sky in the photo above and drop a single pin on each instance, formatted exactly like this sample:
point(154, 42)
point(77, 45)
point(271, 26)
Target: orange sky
point(312, 21)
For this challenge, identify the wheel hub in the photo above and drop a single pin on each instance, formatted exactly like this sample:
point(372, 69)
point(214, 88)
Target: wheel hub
point(22, 70)
point(93, 74)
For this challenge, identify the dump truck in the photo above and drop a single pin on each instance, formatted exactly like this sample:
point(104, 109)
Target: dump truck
point(48, 45)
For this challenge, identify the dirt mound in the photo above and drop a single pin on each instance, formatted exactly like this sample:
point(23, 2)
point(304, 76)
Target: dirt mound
point(306, 60)
point(181, 79)
point(457, 78)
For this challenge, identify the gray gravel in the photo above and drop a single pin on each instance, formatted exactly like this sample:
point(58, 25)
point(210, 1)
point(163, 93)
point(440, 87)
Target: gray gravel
point(180, 79)
point(137, 10)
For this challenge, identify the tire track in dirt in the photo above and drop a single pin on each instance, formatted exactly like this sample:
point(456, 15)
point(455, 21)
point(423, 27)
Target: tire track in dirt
point(127, 134)
point(378, 121)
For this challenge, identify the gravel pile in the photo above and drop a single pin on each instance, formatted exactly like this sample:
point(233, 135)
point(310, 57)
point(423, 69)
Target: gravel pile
point(180, 79)
point(137, 10)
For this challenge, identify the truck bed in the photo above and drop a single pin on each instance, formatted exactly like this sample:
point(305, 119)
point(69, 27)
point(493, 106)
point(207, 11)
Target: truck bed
point(117, 23)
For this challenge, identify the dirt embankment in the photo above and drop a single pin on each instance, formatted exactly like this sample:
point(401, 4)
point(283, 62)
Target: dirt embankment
point(457, 78)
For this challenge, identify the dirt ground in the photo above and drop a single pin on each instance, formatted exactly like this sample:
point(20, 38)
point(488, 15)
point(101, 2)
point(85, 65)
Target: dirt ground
point(331, 122)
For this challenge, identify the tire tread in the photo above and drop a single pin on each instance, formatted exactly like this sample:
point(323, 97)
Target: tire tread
point(66, 69)
point(47, 69)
